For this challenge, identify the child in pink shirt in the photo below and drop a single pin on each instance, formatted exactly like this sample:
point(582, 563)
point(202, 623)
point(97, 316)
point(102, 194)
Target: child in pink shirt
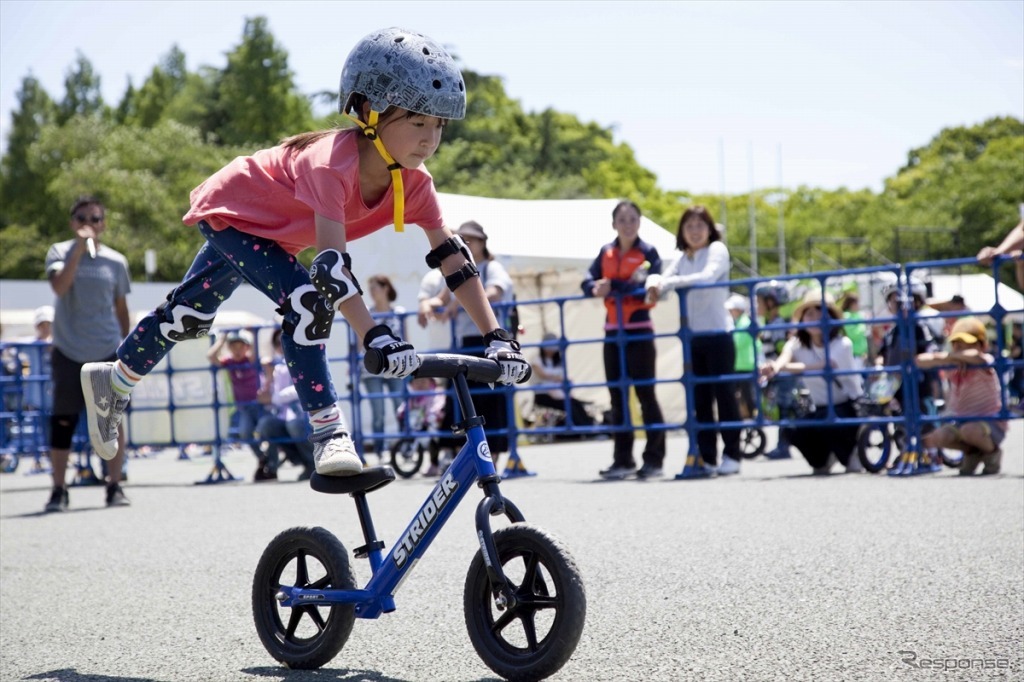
point(319, 189)
point(973, 392)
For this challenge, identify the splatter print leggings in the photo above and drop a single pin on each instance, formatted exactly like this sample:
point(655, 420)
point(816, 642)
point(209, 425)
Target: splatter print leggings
point(226, 259)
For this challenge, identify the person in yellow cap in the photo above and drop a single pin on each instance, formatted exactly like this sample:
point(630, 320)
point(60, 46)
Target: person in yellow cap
point(973, 392)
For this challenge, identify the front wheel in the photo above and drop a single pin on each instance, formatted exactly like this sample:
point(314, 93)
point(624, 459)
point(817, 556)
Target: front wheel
point(874, 446)
point(752, 442)
point(533, 638)
point(310, 635)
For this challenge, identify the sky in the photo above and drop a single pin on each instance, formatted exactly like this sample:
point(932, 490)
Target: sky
point(712, 97)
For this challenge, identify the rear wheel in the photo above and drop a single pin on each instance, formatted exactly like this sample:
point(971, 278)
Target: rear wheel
point(406, 458)
point(875, 446)
point(309, 635)
point(534, 637)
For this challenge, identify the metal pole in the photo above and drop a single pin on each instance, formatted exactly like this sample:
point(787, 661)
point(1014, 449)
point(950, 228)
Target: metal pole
point(782, 219)
point(721, 181)
point(750, 209)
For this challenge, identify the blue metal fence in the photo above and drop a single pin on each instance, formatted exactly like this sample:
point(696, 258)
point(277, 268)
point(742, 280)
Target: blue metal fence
point(22, 430)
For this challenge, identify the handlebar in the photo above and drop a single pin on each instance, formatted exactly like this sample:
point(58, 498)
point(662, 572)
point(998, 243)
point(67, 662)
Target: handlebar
point(443, 366)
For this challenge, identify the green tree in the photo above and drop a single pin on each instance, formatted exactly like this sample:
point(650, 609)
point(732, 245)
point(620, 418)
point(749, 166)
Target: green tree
point(166, 81)
point(81, 92)
point(143, 175)
point(23, 191)
point(257, 102)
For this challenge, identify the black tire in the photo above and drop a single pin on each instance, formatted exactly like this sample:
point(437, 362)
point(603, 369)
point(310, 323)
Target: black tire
point(875, 446)
point(406, 458)
point(537, 636)
point(306, 636)
point(752, 442)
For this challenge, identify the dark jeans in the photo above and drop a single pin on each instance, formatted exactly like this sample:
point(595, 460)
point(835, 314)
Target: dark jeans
point(711, 356)
point(816, 443)
point(640, 359)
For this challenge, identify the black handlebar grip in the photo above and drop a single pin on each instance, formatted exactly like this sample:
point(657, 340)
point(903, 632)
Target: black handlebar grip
point(374, 361)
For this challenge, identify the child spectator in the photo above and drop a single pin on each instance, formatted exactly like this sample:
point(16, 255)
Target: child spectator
point(284, 425)
point(549, 370)
point(748, 352)
point(857, 333)
point(770, 297)
point(424, 412)
point(244, 372)
point(892, 351)
point(973, 392)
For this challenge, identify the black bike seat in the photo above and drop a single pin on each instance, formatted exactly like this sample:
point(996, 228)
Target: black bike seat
point(371, 479)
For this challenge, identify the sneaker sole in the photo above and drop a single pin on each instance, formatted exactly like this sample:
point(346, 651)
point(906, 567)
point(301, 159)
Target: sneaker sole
point(339, 469)
point(90, 406)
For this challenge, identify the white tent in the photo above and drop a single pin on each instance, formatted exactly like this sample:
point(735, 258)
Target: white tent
point(979, 292)
point(547, 246)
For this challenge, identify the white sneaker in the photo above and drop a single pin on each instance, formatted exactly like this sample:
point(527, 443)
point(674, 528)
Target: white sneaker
point(728, 466)
point(334, 454)
point(104, 407)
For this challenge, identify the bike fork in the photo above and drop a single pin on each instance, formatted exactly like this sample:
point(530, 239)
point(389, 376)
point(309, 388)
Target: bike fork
point(494, 504)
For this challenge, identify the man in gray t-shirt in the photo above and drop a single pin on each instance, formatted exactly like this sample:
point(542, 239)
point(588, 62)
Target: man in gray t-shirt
point(91, 282)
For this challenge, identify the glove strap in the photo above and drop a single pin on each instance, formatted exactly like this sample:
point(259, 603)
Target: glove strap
point(500, 334)
point(375, 333)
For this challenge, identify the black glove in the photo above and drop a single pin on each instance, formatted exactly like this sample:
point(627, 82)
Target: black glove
point(504, 349)
point(398, 358)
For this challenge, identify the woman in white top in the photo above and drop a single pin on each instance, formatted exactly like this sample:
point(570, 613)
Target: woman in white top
point(491, 403)
point(806, 352)
point(702, 258)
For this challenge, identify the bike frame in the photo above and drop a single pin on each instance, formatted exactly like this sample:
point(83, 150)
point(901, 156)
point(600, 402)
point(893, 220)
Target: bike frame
point(473, 464)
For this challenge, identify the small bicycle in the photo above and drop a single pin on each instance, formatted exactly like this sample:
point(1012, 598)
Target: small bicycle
point(793, 402)
point(878, 441)
point(524, 601)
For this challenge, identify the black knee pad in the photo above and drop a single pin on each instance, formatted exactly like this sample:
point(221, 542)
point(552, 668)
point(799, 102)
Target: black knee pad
point(182, 322)
point(307, 316)
point(62, 430)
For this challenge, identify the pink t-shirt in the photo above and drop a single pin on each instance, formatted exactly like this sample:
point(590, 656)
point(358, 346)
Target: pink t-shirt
point(974, 392)
point(275, 193)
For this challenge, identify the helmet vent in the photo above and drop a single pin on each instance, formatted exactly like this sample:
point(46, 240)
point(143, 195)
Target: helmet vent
point(426, 52)
point(399, 39)
point(437, 85)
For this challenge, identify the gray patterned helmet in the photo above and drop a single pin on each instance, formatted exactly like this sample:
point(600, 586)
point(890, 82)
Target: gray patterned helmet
point(396, 67)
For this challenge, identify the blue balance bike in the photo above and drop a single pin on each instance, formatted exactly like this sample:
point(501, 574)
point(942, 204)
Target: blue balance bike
point(524, 601)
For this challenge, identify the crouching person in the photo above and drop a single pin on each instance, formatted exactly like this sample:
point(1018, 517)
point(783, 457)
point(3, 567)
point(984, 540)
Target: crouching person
point(973, 392)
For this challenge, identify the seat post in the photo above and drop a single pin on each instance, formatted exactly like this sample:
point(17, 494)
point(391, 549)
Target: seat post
point(365, 520)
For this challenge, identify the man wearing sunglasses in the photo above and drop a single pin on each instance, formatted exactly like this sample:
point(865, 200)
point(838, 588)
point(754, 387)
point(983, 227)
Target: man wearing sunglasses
point(91, 282)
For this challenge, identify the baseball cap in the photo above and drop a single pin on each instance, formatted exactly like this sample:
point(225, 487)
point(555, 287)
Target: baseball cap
point(968, 330)
point(240, 335)
point(737, 302)
point(43, 313)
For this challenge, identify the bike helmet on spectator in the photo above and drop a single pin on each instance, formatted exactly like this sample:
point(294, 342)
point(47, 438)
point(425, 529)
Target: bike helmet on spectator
point(917, 288)
point(773, 289)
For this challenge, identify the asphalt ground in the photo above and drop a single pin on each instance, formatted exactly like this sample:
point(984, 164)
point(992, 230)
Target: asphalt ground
point(769, 575)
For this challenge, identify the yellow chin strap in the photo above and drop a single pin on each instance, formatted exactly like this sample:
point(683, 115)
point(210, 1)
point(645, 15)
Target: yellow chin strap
point(370, 130)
